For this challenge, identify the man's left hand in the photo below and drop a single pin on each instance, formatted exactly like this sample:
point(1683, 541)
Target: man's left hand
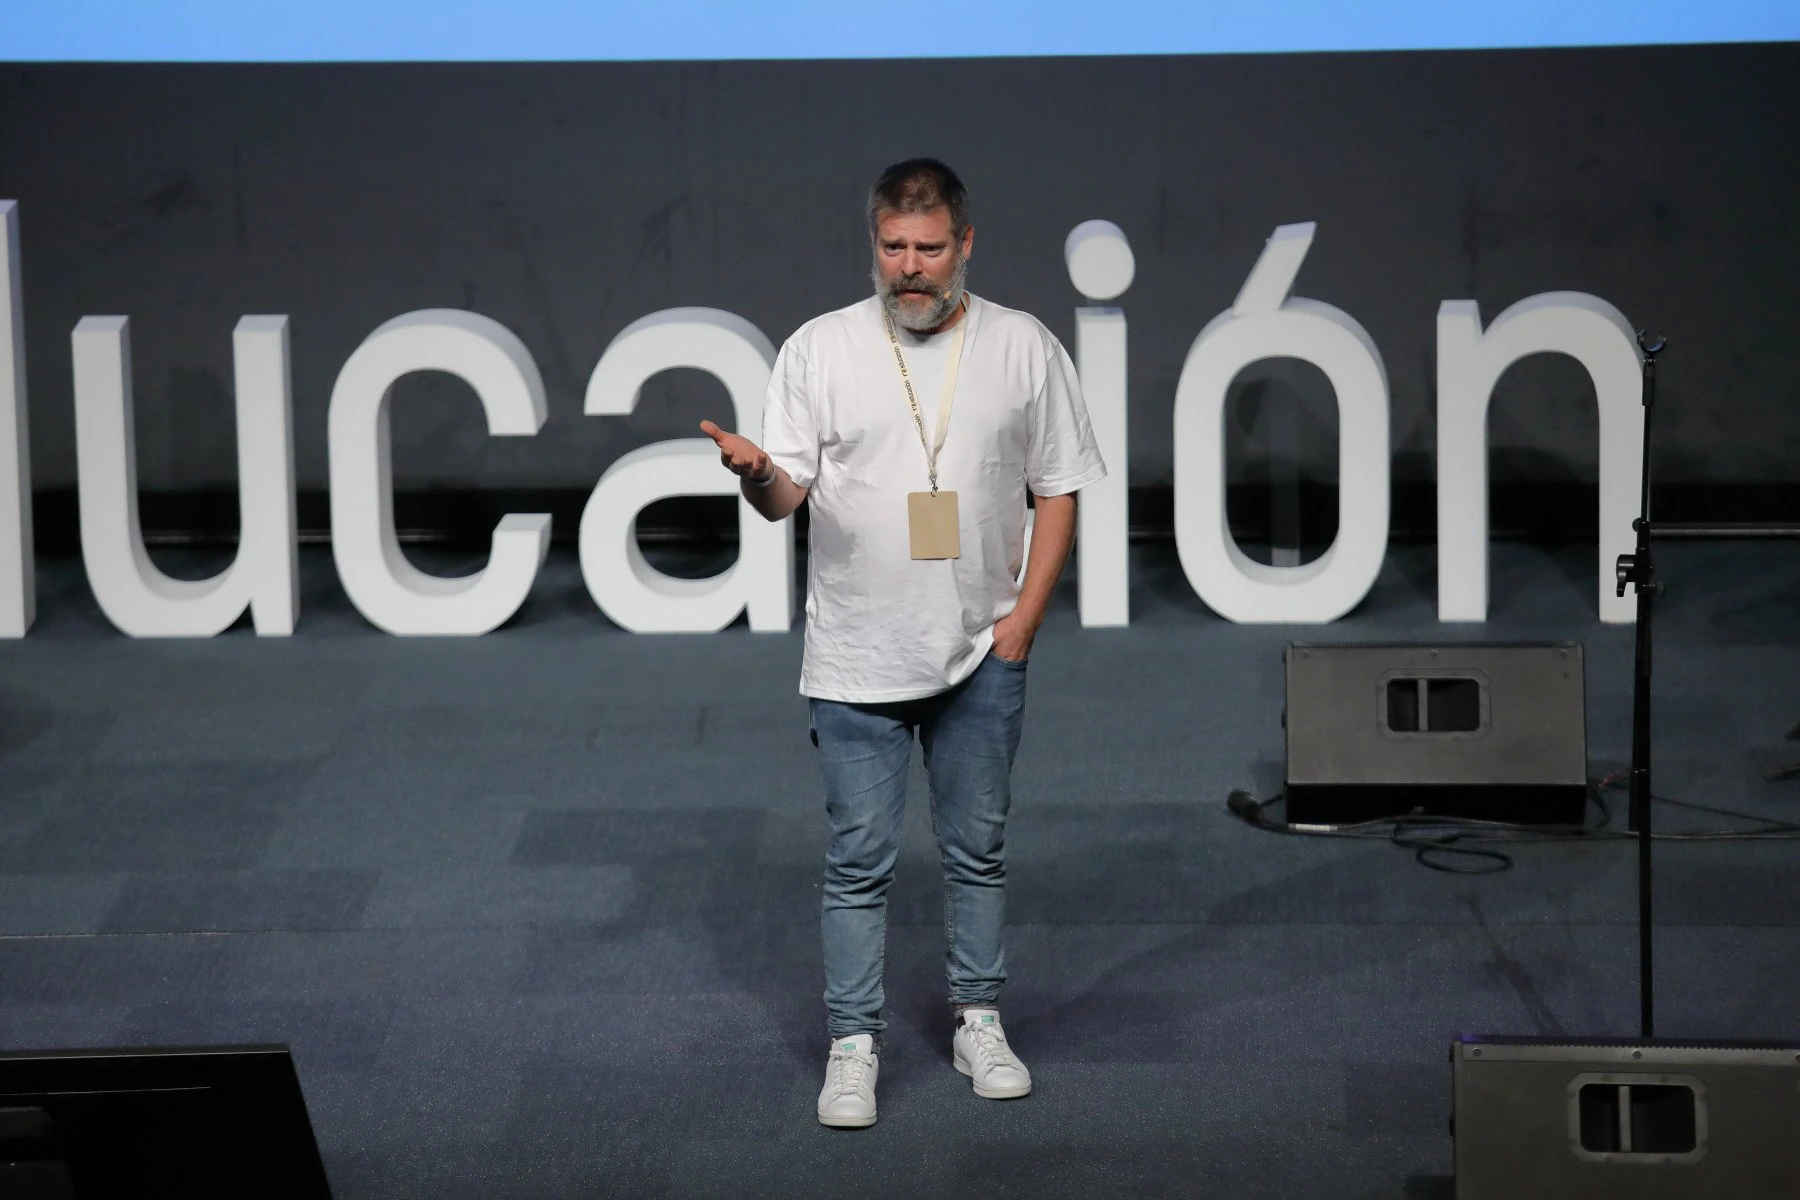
point(1013, 635)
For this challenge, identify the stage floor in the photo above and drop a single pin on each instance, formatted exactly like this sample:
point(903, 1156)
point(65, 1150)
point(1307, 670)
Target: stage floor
point(538, 911)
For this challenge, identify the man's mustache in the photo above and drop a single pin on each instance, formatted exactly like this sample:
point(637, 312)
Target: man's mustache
point(914, 283)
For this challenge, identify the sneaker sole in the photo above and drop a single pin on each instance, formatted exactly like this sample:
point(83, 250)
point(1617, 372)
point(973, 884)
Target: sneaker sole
point(846, 1122)
point(991, 1093)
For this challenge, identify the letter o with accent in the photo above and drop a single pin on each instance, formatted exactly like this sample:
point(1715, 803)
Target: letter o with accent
point(1261, 325)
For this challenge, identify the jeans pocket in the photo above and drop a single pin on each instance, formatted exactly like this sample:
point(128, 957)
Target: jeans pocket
point(1016, 664)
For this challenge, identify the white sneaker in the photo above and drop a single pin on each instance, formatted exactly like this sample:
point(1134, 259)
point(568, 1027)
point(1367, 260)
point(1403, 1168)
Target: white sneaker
point(847, 1101)
point(981, 1053)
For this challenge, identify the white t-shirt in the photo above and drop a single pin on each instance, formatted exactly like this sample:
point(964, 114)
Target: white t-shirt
point(881, 626)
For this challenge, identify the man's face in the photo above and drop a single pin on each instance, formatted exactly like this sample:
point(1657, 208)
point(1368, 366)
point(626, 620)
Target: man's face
point(919, 266)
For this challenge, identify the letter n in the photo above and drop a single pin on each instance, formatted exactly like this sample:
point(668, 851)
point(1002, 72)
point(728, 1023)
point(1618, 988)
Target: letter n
point(1470, 362)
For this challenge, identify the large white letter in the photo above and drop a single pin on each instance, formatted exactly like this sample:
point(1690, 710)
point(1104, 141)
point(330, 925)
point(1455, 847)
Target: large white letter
point(133, 593)
point(18, 589)
point(1262, 324)
point(634, 594)
point(1101, 267)
point(1596, 335)
point(386, 588)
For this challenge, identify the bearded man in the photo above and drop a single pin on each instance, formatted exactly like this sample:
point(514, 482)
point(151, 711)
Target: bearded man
point(914, 423)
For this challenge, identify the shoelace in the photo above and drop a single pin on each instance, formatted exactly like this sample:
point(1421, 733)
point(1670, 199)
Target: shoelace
point(851, 1073)
point(991, 1045)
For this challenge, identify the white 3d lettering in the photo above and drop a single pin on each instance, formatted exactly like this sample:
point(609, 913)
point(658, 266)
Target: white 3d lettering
point(1596, 335)
point(1265, 322)
point(1101, 267)
point(384, 586)
point(18, 591)
point(627, 588)
point(134, 594)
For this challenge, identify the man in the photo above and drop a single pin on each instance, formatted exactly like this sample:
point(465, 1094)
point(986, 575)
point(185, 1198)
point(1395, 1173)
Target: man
point(913, 423)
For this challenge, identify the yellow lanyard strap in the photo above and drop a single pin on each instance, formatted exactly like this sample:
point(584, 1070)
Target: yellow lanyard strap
point(932, 448)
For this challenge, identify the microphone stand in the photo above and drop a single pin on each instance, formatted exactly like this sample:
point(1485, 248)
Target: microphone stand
point(1638, 569)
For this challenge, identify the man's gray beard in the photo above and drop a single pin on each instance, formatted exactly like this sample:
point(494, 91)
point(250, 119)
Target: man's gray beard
point(945, 303)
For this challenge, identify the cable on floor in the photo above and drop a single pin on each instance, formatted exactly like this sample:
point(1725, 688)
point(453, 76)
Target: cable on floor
point(1466, 845)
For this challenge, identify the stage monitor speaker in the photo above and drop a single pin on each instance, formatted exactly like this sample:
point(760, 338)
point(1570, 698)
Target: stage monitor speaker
point(1492, 731)
point(207, 1123)
point(1618, 1120)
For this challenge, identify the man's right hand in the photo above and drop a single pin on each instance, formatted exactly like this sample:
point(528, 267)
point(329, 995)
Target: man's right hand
point(739, 454)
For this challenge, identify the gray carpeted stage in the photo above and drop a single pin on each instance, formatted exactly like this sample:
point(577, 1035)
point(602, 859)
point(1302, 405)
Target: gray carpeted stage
point(538, 911)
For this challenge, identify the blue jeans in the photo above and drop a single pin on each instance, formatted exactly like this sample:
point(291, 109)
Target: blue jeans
point(969, 734)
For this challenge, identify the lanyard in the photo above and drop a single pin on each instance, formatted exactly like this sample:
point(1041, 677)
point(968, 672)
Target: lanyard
point(943, 414)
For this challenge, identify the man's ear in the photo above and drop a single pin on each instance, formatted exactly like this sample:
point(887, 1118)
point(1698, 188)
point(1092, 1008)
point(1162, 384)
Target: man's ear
point(968, 240)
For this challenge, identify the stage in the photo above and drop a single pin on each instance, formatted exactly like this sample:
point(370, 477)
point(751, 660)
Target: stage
point(538, 912)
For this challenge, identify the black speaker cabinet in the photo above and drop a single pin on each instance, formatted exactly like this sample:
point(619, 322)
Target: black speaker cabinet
point(1618, 1120)
point(206, 1123)
point(1492, 731)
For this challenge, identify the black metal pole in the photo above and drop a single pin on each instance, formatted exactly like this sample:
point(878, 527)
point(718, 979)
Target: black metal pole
point(1639, 569)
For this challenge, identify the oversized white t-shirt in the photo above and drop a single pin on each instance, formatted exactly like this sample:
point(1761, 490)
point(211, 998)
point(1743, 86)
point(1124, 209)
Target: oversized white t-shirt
point(881, 626)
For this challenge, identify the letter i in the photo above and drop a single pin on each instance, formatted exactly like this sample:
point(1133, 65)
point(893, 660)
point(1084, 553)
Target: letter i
point(1101, 267)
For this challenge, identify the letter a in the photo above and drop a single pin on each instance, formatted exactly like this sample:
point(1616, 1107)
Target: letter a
point(627, 588)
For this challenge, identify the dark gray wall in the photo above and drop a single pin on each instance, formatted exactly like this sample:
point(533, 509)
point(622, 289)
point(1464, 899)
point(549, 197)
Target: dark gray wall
point(566, 200)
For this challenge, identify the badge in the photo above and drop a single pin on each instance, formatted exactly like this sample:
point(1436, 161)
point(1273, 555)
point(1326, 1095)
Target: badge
point(931, 517)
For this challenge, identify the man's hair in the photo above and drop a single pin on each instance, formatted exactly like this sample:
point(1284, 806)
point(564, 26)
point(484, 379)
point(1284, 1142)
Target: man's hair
point(919, 185)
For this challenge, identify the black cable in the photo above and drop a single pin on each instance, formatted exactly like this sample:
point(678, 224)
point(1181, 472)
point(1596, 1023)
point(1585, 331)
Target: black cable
point(1425, 848)
point(1598, 799)
point(1769, 824)
point(1474, 838)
